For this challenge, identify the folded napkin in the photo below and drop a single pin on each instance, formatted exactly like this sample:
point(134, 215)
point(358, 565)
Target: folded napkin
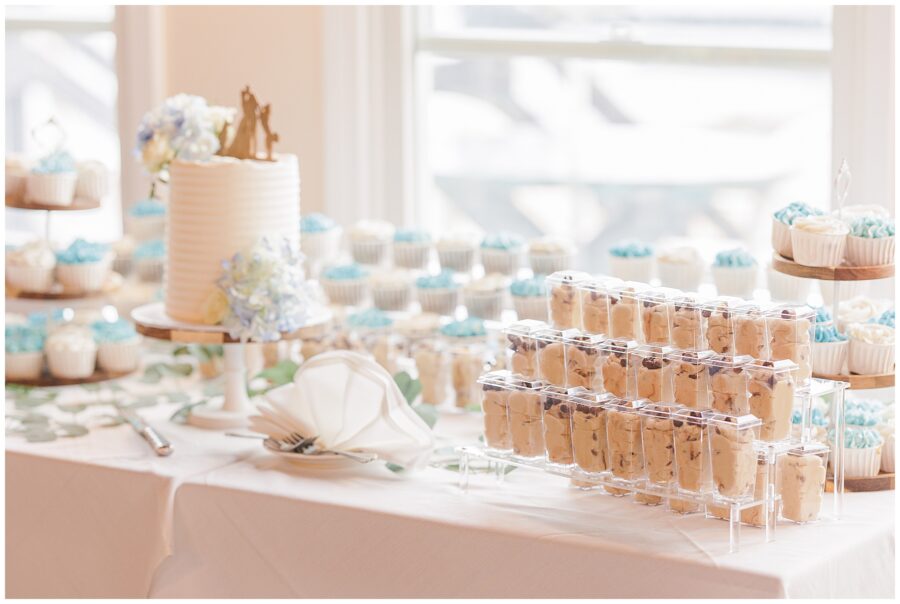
point(351, 403)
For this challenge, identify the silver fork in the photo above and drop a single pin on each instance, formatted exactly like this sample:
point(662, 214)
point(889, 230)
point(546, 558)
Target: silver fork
point(296, 443)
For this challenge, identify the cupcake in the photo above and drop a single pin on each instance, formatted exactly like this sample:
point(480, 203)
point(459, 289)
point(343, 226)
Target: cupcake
point(124, 251)
point(346, 284)
point(71, 352)
point(93, 181)
point(734, 273)
point(787, 288)
point(456, 252)
point(419, 326)
point(370, 241)
point(438, 293)
point(631, 261)
point(680, 267)
point(548, 254)
point(886, 429)
point(84, 266)
point(885, 318)
point(530, 298)
point(829, 352)
point(320, 238)
point(862, 413)
point(118, 345)
point(146, 219)
point(781, 225)
point(52, 182)
point(412, 248)
point(24, 352)
point(16, 174)
point(859, 309)
point(377, 337)
point(862, 452)
point(502, 253)
point(871, 349)
point(391, 290)
point(484, 297)
point(861, 210)
point(870, 242)
point(30, 267)
point(149, 258)
point(819, 240)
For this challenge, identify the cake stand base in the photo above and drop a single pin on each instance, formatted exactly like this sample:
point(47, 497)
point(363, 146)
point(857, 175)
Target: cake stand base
point(214, 417)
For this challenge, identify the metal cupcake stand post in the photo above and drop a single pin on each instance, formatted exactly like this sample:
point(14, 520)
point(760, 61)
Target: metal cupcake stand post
point(232, 409)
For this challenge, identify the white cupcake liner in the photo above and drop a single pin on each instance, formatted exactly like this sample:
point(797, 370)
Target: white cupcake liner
point(87, 277)
point(680, 275)
point(484, 305)
point(51, 189)
point(412, 254)
point(530, 307)
point(24, 365)
point(72, 364)
point(119, 357)
point(862, 463)
point(505, 262)
point(862, 251)
point(460, 260)
point(150, 270)
point(369, 252)
point(145, 228)
point(787, 288)
point(15, 187)
point(781, 238)
point(829, 358)
point(632, 269)
point(887, 454)
point(818, 249)
point(323, 246)
point(30, 278)
point(738, 281)
point(870, 359)
point(441, 301)
point(92, 184)
point(351, 292)
point(392, 298)
point(123, 264)
point(547, 264)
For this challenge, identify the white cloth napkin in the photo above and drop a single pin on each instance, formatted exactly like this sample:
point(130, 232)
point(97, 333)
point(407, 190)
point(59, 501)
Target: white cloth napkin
point(351, 403)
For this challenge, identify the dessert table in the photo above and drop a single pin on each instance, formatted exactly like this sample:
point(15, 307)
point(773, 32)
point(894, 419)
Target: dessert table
point(102, 516)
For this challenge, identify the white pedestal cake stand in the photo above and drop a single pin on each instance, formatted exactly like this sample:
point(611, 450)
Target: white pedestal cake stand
point(232, 410)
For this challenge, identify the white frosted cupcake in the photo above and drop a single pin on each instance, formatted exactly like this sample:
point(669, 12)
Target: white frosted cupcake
point(502, 253)
point(781, 225)
point(16, 174)
point(30, 267)
point(24, 352)
point(412, 248)
point(870, 242)
point(632, 261)
point(862, 452)
point(52, 182)
point(549, 254)
point(391, 290)
point(734, 273)
point(871, 349)
point(484, 297)
point(320, 238)
point(93, 181)
point(438, 293)
point(819, 240)
point(530, 298)
point(680, 267)
point(71, 352)
point(859, 309)
point(456, 251)
point(787, 288)
point(84, 266)
point(829, 351)
point(370, 241)
point(118, 345)
point(149, 259)
point(345, 285)
point(146, 219)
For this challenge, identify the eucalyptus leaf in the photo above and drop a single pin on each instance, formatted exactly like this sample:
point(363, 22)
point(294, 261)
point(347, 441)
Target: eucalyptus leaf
point(39, 435)
point(215, 387)
point(394, 467)
point(72, 430)
point(409, 387)
point(146, 400)
point(279, 374)
point(181, 414)
point(110, 421)
point(179, 369)
point(177, 397)
point(71, 407)
point(91, 387)
point(428, 413)
point(34, 419)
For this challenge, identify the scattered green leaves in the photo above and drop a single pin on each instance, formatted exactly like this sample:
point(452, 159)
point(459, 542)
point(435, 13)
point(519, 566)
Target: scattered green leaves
point(202, 352)
point(155, 372)
point(277, 375)
point(410, 388)
point(181, 414)
point(428, 413)
point(70, 430)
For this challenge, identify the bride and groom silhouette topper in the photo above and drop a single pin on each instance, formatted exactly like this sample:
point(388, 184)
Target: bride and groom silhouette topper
point(243, 145)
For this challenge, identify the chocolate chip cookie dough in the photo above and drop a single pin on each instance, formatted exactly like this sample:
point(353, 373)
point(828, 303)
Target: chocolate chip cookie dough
point(719, 325)
point(433, 366)
point(693, 470)
point(652, 373)
point(583, 361)
point(789, 338)
point(801, 482)
point(551, 356)
point(589, 429)
point(658, 436)
point(595, 304)
point(771, 388)
point(728, 384)
point(525, 417)
point(750, 333)
point(687, 323)
point(563, 300)
point(690, 378)
point(616, 367)
point(732, 455)
point(657, 313)
point(623, 429)
point(557, 426)
point(756, 515)
point(466, 364)
point(495, 407)
point(624, 320)
point(522, 348)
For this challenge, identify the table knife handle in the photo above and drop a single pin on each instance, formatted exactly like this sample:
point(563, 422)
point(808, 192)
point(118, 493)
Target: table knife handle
point(162, 446)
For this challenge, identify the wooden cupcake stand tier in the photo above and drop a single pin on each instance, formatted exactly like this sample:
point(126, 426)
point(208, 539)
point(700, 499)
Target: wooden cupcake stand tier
point(47, 380)
point(232, 409)
point(77, 205)
point(113, 283)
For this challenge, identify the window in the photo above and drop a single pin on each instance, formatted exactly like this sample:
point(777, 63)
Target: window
point(60, 62)
point(605, 123)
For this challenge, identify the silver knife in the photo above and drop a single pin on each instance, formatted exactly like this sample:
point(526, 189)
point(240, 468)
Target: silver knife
point(157, 441)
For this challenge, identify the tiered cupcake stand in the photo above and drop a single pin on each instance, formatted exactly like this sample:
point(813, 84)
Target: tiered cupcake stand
point(232, 409)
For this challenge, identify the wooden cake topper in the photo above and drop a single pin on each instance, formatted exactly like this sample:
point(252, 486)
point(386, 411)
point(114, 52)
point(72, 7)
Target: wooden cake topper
point(243, 145)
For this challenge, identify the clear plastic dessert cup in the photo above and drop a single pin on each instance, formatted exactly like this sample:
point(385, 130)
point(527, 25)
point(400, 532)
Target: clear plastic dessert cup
point(658, 439)
point(624, 310)
point(801, 481)
point(657, 310)
point(623, 433)
point(728, 384)
point(583, 360)
point(551, 356)
point(589, 430)
point(688, 322)
point(594, 303)
point(432, 361)
point(526, 425)
point(693, 474)
point(557, 419)
point(689, 376)
point(468, 358)
point(618, 378)
point(652, 374)
point(751, 334)
point(771, 388)
point(719, 323)
point(495, 407)
point(791, 333)
point(522, 348)
point(562, 298)
point(733, 456)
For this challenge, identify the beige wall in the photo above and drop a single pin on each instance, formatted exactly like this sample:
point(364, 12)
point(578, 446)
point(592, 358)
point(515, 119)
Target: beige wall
point(214, 51)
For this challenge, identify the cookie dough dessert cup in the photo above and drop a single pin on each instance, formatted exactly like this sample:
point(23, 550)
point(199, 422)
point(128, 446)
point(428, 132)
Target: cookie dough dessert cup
point(391, 290)
point(502, 253)
point(753, 516)
point(589, 430)
point(624, 310)
point(469, 355)
point(457, 252)
point(719, 330)
point(548, 254)
point(375, 330)
point(658, 441)
point(632, 261)
point(652, 373)
point(728, 392)
point(438, 293)
point(522, 348)
point(529, 298)
point(733, 456)
point(801, 481)
point(791, 331)
point(689, 375)
point(593, 296)
point(583, 360)
point(693, 470)
point(870, 242)
point(657, 310)
point(771, 388)
point(484, 298)
point(346, 285)
point(819, 240)
point(557, 420)
point(688, 321)
point(526, 411)
point(562, 298)
point(626, 452)
point(370, 241)
point(432, 361)
point(495, 410)
point(412, 248)
point(751, 336)
point(616, 370)
point(551, 356)
point(871, 348)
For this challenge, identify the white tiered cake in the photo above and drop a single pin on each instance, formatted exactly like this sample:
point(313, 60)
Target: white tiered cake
point(216, 209)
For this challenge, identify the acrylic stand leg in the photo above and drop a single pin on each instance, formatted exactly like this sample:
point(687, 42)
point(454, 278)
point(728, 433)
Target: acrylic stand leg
point(464, 471)
point(232, 409)
point(770, 507)
point(837, 464)
point(734, 528)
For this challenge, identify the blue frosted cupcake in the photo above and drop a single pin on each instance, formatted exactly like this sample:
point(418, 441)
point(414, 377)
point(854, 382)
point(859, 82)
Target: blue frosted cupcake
point(320, 238)
point(632, 261)
point(734, 273)
point(438, 293)
point(829, 352)
point(52, 181)
point(862, 451)
point(502, 253)
point(346, 284)
point(146, 219)
point(781, 225)
point(529, 298)
point(870, 242)
point(149, 259)
point(378, 337)
point(84, 266)
point(412, 248)
point(24, 352)
point(118, 345)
